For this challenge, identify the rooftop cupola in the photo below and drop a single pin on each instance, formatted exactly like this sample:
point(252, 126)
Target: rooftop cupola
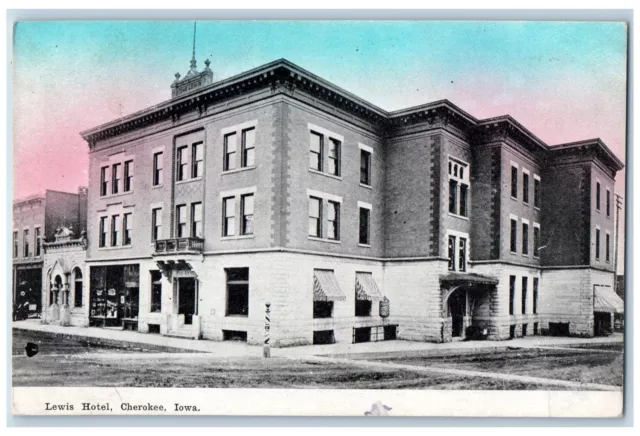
point(194, 78)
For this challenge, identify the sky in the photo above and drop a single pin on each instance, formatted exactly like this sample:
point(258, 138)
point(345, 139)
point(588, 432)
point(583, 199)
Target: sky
point(564, 81)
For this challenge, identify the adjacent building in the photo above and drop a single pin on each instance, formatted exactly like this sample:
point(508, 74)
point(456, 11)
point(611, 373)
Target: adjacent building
point(35, 221)
point(355, 224)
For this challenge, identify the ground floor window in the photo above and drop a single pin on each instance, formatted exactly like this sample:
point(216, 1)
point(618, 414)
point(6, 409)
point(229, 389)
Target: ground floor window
point(237, 291)
point(234, 335)
point(512, 331)
point(362, 334)
point(323, 337)
point(524, 329)
point(114, 294)
point(323, 309)
point(363, 307)
point(156, 291)
point(77, 288)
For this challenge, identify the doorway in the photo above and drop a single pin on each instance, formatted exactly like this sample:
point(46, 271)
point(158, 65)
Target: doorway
point(457, 310)
point(187, 303)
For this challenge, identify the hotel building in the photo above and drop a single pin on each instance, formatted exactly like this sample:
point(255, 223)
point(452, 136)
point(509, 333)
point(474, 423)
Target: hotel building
point(354, 223)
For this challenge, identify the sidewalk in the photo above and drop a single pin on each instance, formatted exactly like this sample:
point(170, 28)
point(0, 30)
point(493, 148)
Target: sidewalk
point(238, 349)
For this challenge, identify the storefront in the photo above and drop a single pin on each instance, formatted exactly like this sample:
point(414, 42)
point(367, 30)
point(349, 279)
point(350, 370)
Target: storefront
point(28, 288)
point(115, 294)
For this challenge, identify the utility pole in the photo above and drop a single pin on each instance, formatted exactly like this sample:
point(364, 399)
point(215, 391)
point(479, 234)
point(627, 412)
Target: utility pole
point(615, 262)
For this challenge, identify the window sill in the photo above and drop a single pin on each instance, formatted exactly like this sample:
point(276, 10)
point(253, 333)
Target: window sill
point(119, 194)
point(363, 316)
point(455, 215)
point(195, 179)
point(322, 317)
point(322, 173)
point(366, 186)
point(537, 208)
point(331, 241)
point(364, 245)
point(237, 316)
point(515, 253)
point(238, 170)
point(525, 254)
point(514, 198)
point(157, 186)
point(118, 247)
point(231, 238)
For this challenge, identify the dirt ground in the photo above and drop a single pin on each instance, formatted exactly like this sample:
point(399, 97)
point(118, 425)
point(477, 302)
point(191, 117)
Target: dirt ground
point(74, 363)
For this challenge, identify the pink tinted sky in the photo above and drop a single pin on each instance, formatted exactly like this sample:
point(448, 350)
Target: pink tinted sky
point(563, 81)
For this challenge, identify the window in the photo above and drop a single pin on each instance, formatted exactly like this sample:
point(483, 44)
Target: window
point(333, 227)
point(535, 295)
point(322, 309)
point(315, 151)
point(181, 221)
point(196, 220)
point(248, 147)
point(127, 229)
point(514, 182)
point(536, 240)
point(156, 224)
point(597, 244)
point(230, 152)
point(15, 245)
point(77, 288)
point(237, 291)
point(247, 214)
point(315, 217)
point(156, 291)
point(365, 167)
point(452, 253)
point(25, 242)
point(363, 307)
point(453, 196)
point(157, 169)
point(608, 203)
point(536, 192)
point(458, 187)
point(334, 157)
point(103, 232)
point(525, 187)
point(462, 255)
point(104, 181)
point(196, 160)
point(229, 216)
point(514, 236)
point(38, 241)
point(364, 226)
point(607, 248)
point(525, 284)
point(115, 224)
point(512, 293)
point(597, 195)
point(128, 176)
point(525, 239)
point(116, 176)
point(182, 163)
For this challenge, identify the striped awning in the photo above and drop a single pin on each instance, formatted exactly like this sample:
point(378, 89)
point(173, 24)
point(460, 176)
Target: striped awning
point(366, 288)
point(325, 286)
point(605, 300)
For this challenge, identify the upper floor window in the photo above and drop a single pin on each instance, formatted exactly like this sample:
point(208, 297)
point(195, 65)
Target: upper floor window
point(196, 220)
point(15, 245)
point(537, 193)
point(104, 181)
point(128, 176)
point(25, 242)
point(230, 152)
point(597, 195)
point(102, 238)
point(525, 187)
point(457, 253)
point(334, 157)
point(525, 238)
point(513, 246)
point(333, 221)
point(608, 203)
point(229, 216)
point(512, 294)
point(127, 229)
point(536, 240)
point(156, 224)
point(157, 169)
point(116, 171)
point(246, 205)
point(535, 295)
point(607, 248)
point(182, 162)
point(115, 226)
point(315, 217)
point(181, 221)
point(196, 160)
point(597, 244)
point(248, 147)
point(462, 254)
point(365, 167)
point(525, 285)
point(38, 241)
point(315, 151)
point(458, 187)
point(514, 181)
point(365, 219)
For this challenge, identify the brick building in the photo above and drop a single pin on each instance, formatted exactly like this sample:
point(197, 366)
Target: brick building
point(354, 223)
point(35, 221)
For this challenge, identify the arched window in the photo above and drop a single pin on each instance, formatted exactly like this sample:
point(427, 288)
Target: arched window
point(57, 285)
point(77, 287)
